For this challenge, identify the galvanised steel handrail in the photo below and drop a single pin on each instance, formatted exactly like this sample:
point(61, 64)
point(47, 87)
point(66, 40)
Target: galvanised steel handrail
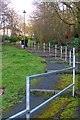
point(27, 111)
point(18, 114)
point(49, 73)
point(50, 99)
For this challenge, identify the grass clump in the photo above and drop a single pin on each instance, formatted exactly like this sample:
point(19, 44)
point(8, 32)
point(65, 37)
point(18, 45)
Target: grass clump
point(67, 79)
point(54, 108)
point(70, 110)
point(65, 106)
point(16, 65)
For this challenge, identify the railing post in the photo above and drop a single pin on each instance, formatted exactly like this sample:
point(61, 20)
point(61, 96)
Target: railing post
point(55, 51)
point(30, 44)
point(38, 46)
point(28, 97)
point(65, 53)
point(49, 48)
point(44, 47)
point(73, 71)
point(34, 45)
point(70, 58)
point(61, 51)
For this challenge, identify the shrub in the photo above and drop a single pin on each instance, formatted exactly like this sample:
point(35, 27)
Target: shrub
point(53, 41)
point(13, 39)
point(20, 37)
point(6, 38)
point(75, 43)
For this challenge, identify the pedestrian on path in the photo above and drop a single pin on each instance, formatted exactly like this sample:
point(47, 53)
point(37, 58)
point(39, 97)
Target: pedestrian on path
point(22, 43)
point(26, 42)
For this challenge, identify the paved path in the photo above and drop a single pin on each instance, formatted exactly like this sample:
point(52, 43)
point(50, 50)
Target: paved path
point(45, 83)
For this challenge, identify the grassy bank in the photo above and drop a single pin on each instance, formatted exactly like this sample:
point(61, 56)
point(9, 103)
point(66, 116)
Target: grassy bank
point(64, 107)
point(16, 65)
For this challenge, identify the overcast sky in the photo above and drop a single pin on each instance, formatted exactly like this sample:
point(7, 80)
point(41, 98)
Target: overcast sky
point(21, 5)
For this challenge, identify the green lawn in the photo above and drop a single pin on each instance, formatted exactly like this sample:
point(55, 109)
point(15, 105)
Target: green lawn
point(16, 65)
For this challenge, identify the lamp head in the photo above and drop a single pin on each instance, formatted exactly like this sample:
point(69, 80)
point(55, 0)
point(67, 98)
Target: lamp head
point(24, 11)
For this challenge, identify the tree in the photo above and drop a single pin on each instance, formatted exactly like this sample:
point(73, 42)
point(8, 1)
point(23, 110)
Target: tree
point(46, 23)
point(13, 20)
point(9, 18)
point(3, 9)
point(51, 21)
point(71, 14)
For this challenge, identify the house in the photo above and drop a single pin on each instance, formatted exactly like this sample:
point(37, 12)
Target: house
point(5, 31)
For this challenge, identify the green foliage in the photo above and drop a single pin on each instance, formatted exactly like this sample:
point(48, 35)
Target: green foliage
point(5, 38)
point(13, 39)
point(54, 41)
point(32, 38)
point(75, 43)
point(64, 106)
point(19, 37)
point(70, 110)
point(67, 79)
point(54, 108)
point(9, 39)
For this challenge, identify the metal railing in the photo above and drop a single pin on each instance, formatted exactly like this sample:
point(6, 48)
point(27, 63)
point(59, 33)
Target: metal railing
point(27, 111)
point(63, 52)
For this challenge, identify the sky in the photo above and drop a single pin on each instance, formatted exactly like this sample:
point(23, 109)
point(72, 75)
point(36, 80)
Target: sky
point(21, 5)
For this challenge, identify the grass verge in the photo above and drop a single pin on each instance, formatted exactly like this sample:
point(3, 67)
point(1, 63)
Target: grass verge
point(16, 65)
point(65, 106)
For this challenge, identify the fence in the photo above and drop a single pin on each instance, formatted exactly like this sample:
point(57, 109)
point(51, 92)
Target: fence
point(27, 111)
point(62, 52)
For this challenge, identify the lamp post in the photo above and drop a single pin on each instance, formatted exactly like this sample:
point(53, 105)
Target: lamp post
point(24, 27)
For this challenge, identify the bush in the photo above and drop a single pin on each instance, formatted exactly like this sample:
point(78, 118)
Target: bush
point(75, 43)
point(13, 39)
point(6, 38)
point(20, 37)
point(53, 42)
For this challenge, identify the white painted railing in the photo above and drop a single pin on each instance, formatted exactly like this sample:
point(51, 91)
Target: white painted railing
point(62, 52)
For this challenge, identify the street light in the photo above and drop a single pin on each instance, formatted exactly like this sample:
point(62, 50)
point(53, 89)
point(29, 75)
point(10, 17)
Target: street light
point(24, 27)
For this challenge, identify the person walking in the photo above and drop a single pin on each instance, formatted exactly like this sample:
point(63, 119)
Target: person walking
point(22, 43)
point(26, 42)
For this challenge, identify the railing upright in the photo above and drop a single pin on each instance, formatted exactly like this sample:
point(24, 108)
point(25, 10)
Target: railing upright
point(61, 51)
point(38, 46)
point(55, 51)
point(73, 71)
point(34, 45)
point(49, 48)
point(44, 47)
point(70, 58)
point(65, 53)
point(28, 97)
